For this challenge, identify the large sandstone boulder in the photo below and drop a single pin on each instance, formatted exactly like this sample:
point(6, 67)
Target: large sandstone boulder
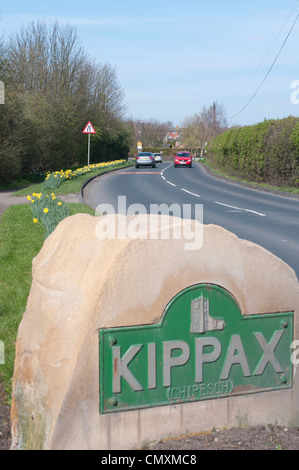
point(82, 283)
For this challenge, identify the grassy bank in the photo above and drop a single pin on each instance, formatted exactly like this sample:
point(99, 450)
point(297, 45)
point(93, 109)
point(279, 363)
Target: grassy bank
point(20, 241)
point(253, 183)
point(70, 185)
point(22, 182)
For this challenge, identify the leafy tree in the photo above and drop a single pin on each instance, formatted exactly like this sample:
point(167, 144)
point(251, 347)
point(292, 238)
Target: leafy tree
point(53, 90)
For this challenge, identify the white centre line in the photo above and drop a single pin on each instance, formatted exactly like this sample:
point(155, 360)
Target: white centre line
point(241, 209)
point(172, 184)
point(189, 192)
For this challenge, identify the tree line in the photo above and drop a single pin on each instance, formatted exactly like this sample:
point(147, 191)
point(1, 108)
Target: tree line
point(52, 89)
point(266, 152)
point(203, 127)
point(195, 131)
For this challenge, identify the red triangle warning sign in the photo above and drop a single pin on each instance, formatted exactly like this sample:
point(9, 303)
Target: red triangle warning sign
point(89, 129)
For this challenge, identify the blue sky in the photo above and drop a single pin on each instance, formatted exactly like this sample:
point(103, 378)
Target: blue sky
point(173, 57)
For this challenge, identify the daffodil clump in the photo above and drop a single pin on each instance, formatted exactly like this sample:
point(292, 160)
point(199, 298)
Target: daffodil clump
point(48, 210)
point(53, 180)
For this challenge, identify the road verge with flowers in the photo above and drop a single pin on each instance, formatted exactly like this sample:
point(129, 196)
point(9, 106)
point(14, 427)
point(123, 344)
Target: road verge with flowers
point(64, 182)
point(23, 229)
point(47, 208)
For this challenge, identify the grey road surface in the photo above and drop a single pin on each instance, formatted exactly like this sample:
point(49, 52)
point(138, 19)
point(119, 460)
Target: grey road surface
point(267, 219)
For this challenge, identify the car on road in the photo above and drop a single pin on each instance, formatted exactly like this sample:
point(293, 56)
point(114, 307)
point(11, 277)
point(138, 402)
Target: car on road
point(146, 159)
point(158, 157)
point(183, 159)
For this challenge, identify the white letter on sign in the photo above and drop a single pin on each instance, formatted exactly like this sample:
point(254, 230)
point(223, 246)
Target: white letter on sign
point(169, 362)
point(202, 358)
point(120, 368)
point(233, 358)
point(268, 352)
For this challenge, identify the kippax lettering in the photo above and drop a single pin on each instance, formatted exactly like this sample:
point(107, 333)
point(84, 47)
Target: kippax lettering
point(235, 354)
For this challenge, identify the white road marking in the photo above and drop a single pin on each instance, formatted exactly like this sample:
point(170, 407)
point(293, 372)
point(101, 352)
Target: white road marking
point(189, 192)
point(237, 209)
point(241, 209)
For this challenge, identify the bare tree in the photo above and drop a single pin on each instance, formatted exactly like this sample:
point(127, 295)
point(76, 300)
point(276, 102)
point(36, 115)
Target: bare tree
point(203, 127)
point(108, 95)
point(192, 133)
point(46, 57)
point(214, 118)
point(151, 132)
point(60, 90)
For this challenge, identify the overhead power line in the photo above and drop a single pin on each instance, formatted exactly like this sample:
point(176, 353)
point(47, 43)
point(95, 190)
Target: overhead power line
point(267, 74)
point(268, 51)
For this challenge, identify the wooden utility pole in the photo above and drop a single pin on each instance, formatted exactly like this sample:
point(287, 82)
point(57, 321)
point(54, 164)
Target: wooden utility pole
point(214, 117)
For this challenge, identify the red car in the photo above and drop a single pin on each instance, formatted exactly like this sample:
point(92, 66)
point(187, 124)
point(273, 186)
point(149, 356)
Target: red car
point(183, 159)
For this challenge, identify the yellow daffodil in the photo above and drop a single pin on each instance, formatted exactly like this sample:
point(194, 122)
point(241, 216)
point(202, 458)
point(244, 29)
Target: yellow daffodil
point(46, 210)
point(59, 203)
point(35, 220)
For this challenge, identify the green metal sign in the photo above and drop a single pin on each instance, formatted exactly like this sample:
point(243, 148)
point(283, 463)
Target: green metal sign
point(203, 348)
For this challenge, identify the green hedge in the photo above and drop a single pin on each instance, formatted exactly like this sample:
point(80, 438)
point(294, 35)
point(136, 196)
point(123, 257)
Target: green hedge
point(266, 152)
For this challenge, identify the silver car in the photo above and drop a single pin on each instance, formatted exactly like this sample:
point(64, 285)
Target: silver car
point(158, 157)
point(145, 158)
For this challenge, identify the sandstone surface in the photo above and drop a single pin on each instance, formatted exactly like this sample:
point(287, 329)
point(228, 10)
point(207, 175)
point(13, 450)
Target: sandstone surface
point(82, 283)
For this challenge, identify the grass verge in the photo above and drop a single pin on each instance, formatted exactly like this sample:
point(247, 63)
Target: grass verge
point(291, 190)
point(21, 182)
point(69, 186)
point(20, 242)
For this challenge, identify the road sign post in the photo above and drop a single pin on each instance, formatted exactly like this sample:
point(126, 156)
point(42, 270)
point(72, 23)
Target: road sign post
point(88, 130)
